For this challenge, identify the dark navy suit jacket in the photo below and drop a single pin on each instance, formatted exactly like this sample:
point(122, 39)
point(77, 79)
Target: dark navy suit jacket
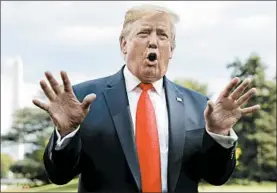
point(103, 151)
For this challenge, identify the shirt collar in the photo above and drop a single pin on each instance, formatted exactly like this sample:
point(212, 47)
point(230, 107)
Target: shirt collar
point(132, 82)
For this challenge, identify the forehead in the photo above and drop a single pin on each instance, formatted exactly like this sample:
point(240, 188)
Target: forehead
point(157, 20)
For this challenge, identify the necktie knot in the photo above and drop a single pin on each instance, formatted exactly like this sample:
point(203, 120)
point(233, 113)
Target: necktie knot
point(145, 86)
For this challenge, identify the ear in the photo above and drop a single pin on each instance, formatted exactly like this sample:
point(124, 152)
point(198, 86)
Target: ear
point(123, 46)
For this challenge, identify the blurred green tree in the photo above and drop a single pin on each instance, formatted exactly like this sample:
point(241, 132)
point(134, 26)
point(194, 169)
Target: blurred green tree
point(6, 162)
point(30, 126)
point(193, 85)
point(257, 131)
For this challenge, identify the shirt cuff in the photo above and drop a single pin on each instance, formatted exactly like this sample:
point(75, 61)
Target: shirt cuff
point(224, 141)
point(65, 140)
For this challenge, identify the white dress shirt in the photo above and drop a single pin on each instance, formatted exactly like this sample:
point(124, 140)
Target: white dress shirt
point(157, 96)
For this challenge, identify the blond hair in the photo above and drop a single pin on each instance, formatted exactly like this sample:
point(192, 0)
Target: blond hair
point(137, 12)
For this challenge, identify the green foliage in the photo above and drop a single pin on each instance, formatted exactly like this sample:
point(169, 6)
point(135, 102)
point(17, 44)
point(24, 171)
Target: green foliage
point(32, 126)
point(194, 85)
point(6, 162)
point(257, 131)
point(27, 121)
point(31, 169)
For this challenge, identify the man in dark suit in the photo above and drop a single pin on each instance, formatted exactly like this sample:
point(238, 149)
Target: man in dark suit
point(142, 132)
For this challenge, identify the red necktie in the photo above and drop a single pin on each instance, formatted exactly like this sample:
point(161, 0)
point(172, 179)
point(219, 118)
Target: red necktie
point(147, 142)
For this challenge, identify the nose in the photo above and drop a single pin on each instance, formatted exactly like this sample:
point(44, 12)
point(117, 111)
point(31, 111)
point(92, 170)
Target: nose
point(153, 41)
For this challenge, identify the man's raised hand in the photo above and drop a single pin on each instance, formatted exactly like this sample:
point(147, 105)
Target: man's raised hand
point(66, 112)
point(227, 110)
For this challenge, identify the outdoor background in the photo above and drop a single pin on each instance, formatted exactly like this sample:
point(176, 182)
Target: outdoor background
point(215, 42)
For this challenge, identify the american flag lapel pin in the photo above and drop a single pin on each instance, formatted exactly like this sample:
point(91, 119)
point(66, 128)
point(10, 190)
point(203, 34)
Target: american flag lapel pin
point(179, 99)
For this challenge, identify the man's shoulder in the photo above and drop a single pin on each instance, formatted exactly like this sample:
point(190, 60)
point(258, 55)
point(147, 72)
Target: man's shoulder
point(99, 83)
point(95, 86)
point(90, 83)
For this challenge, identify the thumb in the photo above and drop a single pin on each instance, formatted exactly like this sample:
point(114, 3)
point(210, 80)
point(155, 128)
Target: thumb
point(209, 109)
point(87, 101)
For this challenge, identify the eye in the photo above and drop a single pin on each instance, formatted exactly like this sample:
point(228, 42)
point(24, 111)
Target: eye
point(143, 33)
point(163, 36)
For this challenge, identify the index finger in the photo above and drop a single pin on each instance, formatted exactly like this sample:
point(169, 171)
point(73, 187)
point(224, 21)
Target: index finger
point(66, 82)
point(227, 90)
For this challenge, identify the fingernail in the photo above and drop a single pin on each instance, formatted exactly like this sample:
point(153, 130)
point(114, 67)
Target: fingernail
point(246, 81)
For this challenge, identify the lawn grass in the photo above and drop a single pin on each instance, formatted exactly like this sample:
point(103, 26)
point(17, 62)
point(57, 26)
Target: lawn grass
point(72, 187)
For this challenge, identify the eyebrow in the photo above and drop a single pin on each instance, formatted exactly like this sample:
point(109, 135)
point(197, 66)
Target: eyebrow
point(162, 30)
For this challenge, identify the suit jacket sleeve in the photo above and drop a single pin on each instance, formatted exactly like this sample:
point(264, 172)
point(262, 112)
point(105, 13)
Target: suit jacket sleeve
point(63, 164)
point(216, 163)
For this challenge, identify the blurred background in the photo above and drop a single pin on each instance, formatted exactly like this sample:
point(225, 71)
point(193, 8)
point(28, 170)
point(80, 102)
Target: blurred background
point(215, 42)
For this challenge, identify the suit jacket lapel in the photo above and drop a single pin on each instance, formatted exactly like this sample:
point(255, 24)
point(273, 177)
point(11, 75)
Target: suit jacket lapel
point(176, 113)
point(117, 101)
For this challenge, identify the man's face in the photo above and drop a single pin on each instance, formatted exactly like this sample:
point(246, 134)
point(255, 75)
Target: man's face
point(151, 34)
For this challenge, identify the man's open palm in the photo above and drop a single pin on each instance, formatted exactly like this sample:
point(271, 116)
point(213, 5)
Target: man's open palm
point(64, 108)
point(222, 115)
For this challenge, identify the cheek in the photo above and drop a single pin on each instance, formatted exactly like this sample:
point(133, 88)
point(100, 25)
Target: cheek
point(137, 49)
point(165, 52)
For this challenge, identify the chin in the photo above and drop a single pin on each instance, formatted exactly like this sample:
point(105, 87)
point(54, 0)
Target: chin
point(149, 73)
point(149, 77)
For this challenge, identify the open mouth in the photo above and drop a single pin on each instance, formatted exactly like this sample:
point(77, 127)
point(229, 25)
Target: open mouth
point(152, 57)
